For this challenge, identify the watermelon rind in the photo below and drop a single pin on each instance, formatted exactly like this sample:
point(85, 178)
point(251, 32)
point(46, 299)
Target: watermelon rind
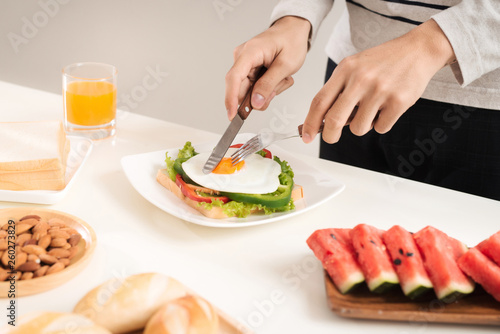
point(383, 282)
point(407, 262)
point(440, 253)
point(455, 291)
point(418, 287)
point(351, 283)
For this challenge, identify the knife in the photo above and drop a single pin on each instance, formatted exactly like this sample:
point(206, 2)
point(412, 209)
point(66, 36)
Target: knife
point(232, 130)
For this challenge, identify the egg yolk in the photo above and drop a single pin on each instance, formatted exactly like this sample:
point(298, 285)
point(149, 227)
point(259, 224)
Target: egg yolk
point(226, 167)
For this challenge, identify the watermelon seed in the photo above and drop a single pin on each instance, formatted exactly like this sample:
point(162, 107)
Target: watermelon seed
point(409, 254)
point(373, 242)
point(397, 262)
point(401, 252)
point(333, 236)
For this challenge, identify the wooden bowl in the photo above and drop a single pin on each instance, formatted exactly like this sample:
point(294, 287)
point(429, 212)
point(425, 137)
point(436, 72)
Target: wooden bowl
point(78, 263)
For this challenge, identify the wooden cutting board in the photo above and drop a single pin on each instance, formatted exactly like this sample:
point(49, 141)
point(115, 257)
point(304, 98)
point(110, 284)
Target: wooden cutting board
point(478, 308)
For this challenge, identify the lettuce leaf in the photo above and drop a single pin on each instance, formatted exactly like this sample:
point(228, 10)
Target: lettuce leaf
point(170, 167)
point(285, 167)
point(187, 151)
point(242, 210)
point(184, 153)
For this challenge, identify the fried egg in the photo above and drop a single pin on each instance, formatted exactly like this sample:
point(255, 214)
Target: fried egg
point(254, 175)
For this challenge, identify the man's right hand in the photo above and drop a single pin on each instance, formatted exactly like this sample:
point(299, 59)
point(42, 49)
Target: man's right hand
point(282, 49)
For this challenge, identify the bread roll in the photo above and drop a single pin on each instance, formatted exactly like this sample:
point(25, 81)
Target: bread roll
point(125, 305)
point(54, 323)
point(187, 315)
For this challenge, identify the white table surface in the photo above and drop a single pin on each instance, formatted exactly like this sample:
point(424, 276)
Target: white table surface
point(240, 269)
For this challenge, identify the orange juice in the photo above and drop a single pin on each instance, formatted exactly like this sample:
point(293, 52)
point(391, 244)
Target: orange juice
point(90, 103)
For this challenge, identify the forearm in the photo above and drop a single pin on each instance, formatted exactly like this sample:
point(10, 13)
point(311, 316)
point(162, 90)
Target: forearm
point(430, 42)
point(313, 11)
point(300, 26)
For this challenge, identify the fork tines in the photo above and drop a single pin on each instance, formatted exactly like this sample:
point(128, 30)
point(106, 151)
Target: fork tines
point(250, 147)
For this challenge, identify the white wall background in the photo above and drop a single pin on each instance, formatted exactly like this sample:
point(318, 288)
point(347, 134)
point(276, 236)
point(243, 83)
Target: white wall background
point(188, 42)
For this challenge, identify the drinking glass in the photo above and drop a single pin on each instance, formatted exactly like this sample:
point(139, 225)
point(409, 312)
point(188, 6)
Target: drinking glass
point(89, 99)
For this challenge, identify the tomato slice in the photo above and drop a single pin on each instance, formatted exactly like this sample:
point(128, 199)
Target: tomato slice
point(191, 194)
point(268, 153)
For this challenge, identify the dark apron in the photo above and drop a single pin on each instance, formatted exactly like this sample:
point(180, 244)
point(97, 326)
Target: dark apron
point(443, 144)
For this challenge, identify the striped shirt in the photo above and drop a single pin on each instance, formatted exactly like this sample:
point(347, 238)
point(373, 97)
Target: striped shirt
point(471, 26)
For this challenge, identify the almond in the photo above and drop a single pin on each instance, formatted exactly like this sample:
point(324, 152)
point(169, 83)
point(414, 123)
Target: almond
point(72, 252)
point(65, 261)
point(41, 226)
point(39, 234)
point(5, 259)
point(21, 228)
point(29, 266)
point(45, 241)
point(56, 267)
point(27, 275)
point(3, 244)
point(3, 234)
point(34, 249)
point(59, 253)
point(30, 221)
point(59, 234)
point(21, 258)
point(74, 239)
point(21, 239)
point(69, 230)
point(34, 258)
point(29, 242)
point(36, 217)
point(5, 226)
point(41, 272)
point(3, 274)
point(48, 259)
point(56, 222)
point(58, 242)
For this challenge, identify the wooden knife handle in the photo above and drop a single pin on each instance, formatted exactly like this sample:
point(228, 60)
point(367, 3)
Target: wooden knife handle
point(319, 130)
point(246, 106)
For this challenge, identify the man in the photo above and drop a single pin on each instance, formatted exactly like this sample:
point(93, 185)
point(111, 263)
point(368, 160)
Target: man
point(417, 83)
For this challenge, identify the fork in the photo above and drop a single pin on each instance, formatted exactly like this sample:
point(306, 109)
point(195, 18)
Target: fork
point(263, 140)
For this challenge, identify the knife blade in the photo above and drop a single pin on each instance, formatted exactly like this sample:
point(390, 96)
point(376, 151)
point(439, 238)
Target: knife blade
point(234, 127)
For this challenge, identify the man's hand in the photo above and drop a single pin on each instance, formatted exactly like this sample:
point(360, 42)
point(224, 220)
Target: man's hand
point(379, 84)
point(282, 49)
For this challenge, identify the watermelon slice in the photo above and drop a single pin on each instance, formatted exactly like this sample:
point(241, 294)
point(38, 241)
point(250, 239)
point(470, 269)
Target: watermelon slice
point(440, 253)
point(407, 261)
point(491, 247)
point(373, 258)
point(333, 248)
point(482, 270)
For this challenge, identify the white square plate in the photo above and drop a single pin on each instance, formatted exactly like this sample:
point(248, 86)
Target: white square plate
point(141, 171)
point(80, 149)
